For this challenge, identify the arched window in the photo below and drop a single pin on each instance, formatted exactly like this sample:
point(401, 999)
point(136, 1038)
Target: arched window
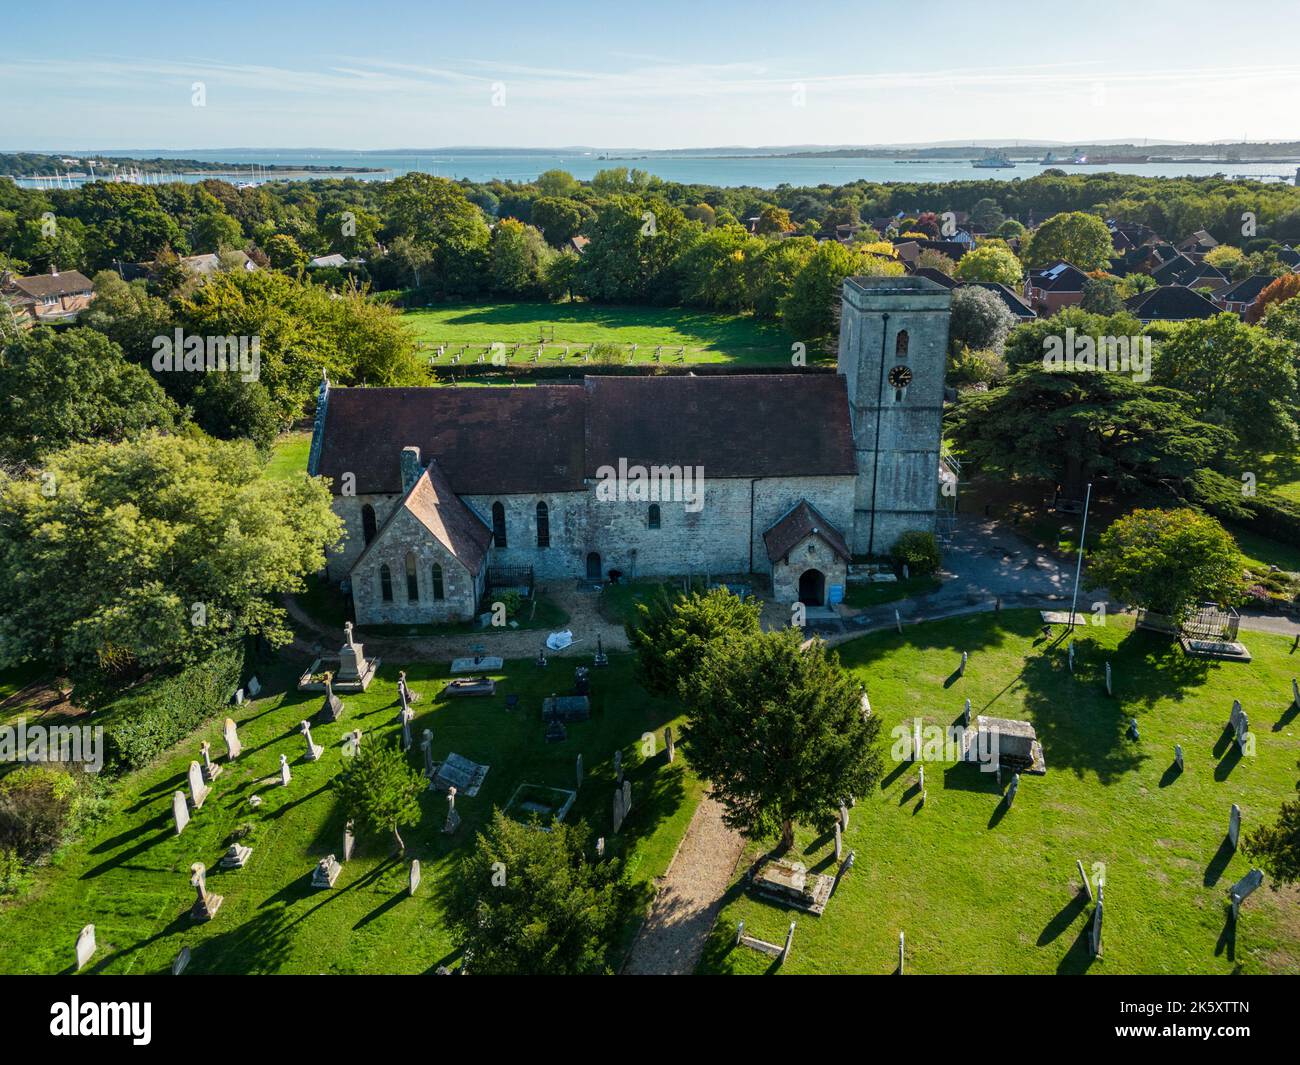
point(438, 592)
point(499, 524)
point(412, 582)
point(900, 343)
point(367, 523)
point(543, 526)
point(386, 583)
point(654, 516)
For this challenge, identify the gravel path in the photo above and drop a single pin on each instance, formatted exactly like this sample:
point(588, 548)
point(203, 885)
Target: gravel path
point(690, 896)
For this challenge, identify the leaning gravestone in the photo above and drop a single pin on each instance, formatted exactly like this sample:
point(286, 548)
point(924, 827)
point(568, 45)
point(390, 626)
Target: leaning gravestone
point(233, 746)
point(85, 945)
point(414, 880)
point(1243, 889)
point(1234, 824)
point(180, 811)
point(198, 789)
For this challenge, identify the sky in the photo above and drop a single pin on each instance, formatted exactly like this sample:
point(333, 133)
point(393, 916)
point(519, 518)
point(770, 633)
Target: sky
point(377, 74)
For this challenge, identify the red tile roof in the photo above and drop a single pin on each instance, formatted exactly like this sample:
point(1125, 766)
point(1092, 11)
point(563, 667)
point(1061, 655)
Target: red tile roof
point(803, 521)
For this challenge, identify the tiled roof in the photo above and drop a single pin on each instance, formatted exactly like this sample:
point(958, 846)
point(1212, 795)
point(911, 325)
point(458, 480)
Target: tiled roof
point(803, 521)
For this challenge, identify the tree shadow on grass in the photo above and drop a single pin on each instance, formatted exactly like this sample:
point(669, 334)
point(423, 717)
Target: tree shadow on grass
point(177, 925)
point(127, 855)
point(256, 946)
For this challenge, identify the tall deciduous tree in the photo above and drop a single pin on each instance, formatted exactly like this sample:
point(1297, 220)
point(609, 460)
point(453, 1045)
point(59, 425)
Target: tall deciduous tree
point(434, 212)
point(780, 732)
point(1168, 561)
point(990, 262)
point(1073, 237)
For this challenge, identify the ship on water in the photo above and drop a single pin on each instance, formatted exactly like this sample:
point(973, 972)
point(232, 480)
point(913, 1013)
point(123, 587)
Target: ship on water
point(993, 161)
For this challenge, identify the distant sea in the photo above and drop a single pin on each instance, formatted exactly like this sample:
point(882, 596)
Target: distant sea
point(721, 169)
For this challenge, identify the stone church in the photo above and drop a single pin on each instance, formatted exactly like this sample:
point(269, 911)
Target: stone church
point(784, 475)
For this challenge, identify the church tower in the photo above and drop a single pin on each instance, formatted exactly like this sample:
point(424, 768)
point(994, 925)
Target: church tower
point(893, 350)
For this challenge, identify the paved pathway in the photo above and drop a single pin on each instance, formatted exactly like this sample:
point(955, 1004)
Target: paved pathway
point(690, 896)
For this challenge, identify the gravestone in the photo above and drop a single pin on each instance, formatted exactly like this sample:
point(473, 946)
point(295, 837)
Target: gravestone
point(1243, 889)
point(627, 797)
point(349, 841)
point(85, 945)
point(181, 961)
point(1178, 756)
point(577, 770)
point(314, 750)
point(413, 881)
point(844, 817)
point(1087, 887)
point(618, 810)
point(670, 743)
point(600, 847)
point(206, 904)
point(236, 856)
point(1109, 689)
point(351, 743)
point(326, 872)
point(789, 942)
point(961, 670)
point(426, 745)
point(916, 739)
point(1094, 936)
point(402, 699)
point(900, 953)
point(898, 621)
point(331, 707)
point(285, 775)
point(1243, 732)
point(1295, 693)
point(1133, 732)
point(1011, 791)
point(254, 687)
point(920, 778)
point(965, 714)
point(198, 789)
point(210, 769)
point(846, 865)
point(1234, 824)
point(407, 716)
point(180, 811)
point(839, 842)
point(453, 818)
point(231, 734)
point(907, 574)
point(1235, 716)
point(618, 767)
point(238, 697)
point(601, 659)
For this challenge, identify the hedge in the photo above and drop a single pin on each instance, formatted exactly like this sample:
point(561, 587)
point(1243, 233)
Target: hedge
point(144, 721)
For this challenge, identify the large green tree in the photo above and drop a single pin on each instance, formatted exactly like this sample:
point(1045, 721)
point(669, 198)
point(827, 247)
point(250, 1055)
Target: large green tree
point(1168, 561)
point(990, 262)
point(671, 635)
point(529, 901)
point(433, 212)
point(117, 558)
point(1074, 237)
point(380, 790)
point(57, 388)
point(780, 732)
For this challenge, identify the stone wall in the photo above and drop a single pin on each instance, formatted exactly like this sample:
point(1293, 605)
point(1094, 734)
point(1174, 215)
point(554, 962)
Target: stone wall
point(811, 552)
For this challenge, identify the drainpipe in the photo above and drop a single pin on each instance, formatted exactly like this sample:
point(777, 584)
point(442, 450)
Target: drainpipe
point(880, 410)
point(752, 482)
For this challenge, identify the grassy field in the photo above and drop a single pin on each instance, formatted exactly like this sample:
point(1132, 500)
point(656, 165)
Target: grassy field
point(980, 889)
point(706, 337)
point(130, 877)
point(289, 455)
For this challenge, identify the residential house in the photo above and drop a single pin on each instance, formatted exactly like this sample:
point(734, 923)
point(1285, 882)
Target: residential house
point(47, 299)
point(1015, 304)
point(1169, 303)
point(1239, 298)
point(1055, 287)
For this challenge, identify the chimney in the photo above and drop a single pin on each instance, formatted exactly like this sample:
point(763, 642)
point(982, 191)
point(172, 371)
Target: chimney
point(54, 270)
point(411, 468)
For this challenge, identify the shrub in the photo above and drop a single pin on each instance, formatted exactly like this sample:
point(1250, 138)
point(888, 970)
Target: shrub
point(919, 551)
point(977, 368)
point(13, 874)
point(147, 719)
point(36, 803)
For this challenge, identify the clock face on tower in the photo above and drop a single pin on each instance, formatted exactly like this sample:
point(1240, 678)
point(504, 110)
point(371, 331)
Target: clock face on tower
point(900, 376)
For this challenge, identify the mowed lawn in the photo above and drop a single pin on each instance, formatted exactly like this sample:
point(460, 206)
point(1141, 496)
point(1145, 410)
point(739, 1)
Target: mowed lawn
point(980, 889)
point(130, 877)
point(706, 337)
point(288, 459)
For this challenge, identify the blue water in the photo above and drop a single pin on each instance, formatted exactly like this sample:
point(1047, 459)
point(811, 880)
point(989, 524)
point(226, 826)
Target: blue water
point(729, 170)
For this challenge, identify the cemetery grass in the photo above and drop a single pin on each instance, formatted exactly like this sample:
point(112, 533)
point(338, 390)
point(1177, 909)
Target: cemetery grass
point(873, 593)
point(288, 459)
point(721, 338)
point(130, 875)
point(980, 889)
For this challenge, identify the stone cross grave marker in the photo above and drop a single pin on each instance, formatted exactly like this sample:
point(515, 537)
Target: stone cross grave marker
point(180, 811)
point(1234, 824)
point(85, 945)
point(285, 774)
point(198, 789)
point(206, 904)
point(314, 750)
point(231, 734)
point(453, 818)
point(414, 881)
point(210, 770)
